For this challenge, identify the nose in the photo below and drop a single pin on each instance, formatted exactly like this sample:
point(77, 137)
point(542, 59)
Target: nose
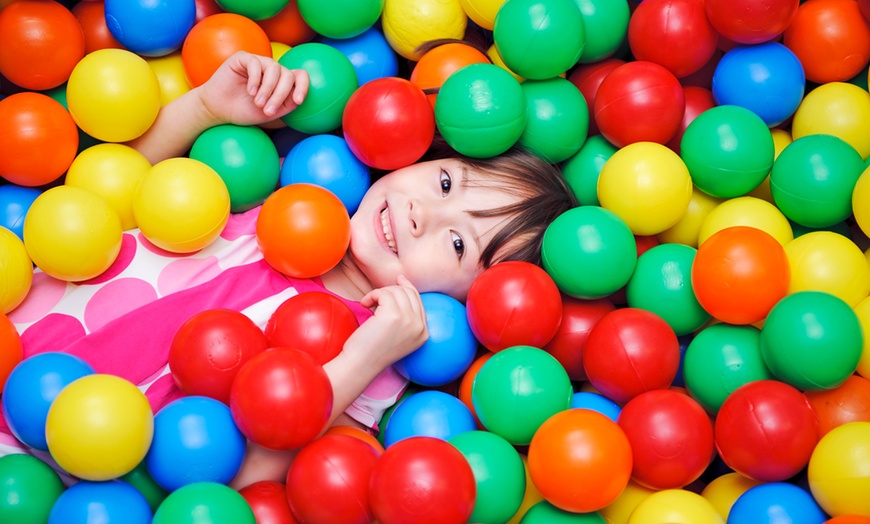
point(424, 216)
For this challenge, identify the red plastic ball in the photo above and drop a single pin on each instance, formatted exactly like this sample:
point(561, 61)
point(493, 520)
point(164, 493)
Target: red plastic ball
point(92, 17)
point(215, 38)
point(328, 480)
point(13, 350)
point(766, 430)
point(38, 139)
point(268, 501)
point(698, 100)
point(316, 322)
point(630, 351)
point(639, 101)
point(40, 44)
point(208, 350)
point(672, 33)
point(388, 123)
point(514, 303)
point(739, 274)
point(578, 318)
point(206, 8)
point(849, 402)
point(281, 399)
point(750, 21)
point(422, 479)
point(588, 78)
point(671, 438)
point(438, 63)
point(303, 230)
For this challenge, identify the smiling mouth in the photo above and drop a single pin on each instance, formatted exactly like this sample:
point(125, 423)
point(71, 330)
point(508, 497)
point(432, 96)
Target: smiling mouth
point(388, 231)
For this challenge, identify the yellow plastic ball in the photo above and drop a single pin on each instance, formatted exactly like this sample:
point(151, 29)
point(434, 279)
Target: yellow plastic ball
point(182, 205)
point(531, 496)
point(99, 427)
point(278, 50)
point(492, 53)
point(169, 70)
point(686, 230)
point(747, 211)
point(863, 312)
point(409, 23)
point(836, 108)
point(647, 185)
point(829, 262)
point(72, 234)
point(482, 12)
point(112, 171)
point(675, 506)
point(620, 510)
point(724, 490)
point(16, 271)
point(113, 95)
point(839, 470)
point(781, 138)
point(861, 202)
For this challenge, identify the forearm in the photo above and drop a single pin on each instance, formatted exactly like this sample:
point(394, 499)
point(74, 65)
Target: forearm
point(350, 373)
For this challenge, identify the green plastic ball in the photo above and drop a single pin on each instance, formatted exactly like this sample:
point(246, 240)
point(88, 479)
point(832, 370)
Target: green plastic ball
point(813, 178)
point(729, 151)
point(204, 503)
point(545, 513)
point(356, 16)
point(721, 358)
point(662, 284)
point(589, 252)
point(539, 39)
point(481, 110)
point(140, 479)
point(498, 471)
point(245, 158)
point(28, 489)
point(253, 9)
point(332, 80)
point(606, 23)
point(812, 340)
point(581, 171)
point(517, 389)
point(557, 119)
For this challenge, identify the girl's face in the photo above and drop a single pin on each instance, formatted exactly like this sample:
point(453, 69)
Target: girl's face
point(415, 222)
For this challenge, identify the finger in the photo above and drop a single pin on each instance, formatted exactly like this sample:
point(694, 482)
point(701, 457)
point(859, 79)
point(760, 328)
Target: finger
point(254, 71)
point(300, 89)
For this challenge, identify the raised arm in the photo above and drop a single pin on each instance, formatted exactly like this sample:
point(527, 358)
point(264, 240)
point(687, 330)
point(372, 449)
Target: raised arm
point(247, 89)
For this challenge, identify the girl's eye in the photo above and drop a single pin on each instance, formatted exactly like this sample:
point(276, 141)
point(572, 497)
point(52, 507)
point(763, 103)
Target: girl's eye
point(458, 244)
point(446, 182)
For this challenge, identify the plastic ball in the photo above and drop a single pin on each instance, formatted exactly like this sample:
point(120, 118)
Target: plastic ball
point(630, 351)
point(748, 22)
point(596, 402)
point(287, 27)
point(620, 509)
point(578, 318)
point(588, 78)
point(672, 33)
point(450, 348)
point(245, 159)
point(812, 340)
point(747, 211)
point(16, 271)
point(837, 472)
point(481, 110)
point(698, 100)
point(356, 17)
point(182, 205)
point(831, 39)
point(671, 438)
point(369, 53)
point(268, 501)
point(422, 478)
point(863, 312)
point(786, 501)
point(721, 358)
point(328, 480)
point(332, 81)
point(215, 38)
point(839, 109)
point(408, 24)
point(647, 185)
point(606, 25)
point(388, 123)
point(29, 488)
point(15, 201)
point(728, 150)
point(596, 239)
point(639, 101)
point(581, 170)
point(724, 490)
point(171, 76)
point(357, 433)
point(437, 64)
point(513, 303)
point(829, 262)
point(204, 502)
point(303, 230)
point(113, 501)
point(40, 139)
point(848, 402)
point(99, 427)
point(482, 12)
point(13, 350)
point(556, 119)
point(428, 413)
point(281, 398)
point(257, 10)
point(316, 322)
point(662, 284)
point(687, 229)
point(40, 44)
point(766, 430)
point(92, 17)
point(739, 274)
point(675, 506)
point(860, 201)
point(150, 28)
point(580, 460)
point(140, 479)
point(544, 512)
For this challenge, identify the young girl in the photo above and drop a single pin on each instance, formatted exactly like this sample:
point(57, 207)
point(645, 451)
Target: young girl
point(430, 227)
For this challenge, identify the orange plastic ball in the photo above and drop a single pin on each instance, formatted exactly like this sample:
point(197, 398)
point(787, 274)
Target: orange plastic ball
point(467, 381)
point(38, 139)
point(437, 64)
point(40, 44)
point(92, 17)
point(214, 38)
point(303, 230)
point(288, 26)
point(13, 351)
point(849, 402)
point(739, 274)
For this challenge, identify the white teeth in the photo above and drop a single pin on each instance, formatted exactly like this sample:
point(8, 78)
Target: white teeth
point(388, 232)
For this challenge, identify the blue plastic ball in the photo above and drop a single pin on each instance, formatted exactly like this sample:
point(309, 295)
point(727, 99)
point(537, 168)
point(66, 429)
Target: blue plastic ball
point(776, 502)
point(370, 53)
point(14, 203)
point(195, 440)
point(429, 413)
point(150, 27)
point(110, 502)
point(450, 348)
point(768, 79)
point(327, 161)
point(596, 402)
point(30, 389)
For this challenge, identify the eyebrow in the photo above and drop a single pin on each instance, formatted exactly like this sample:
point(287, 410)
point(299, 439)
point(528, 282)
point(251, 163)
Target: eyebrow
point(474, 235)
